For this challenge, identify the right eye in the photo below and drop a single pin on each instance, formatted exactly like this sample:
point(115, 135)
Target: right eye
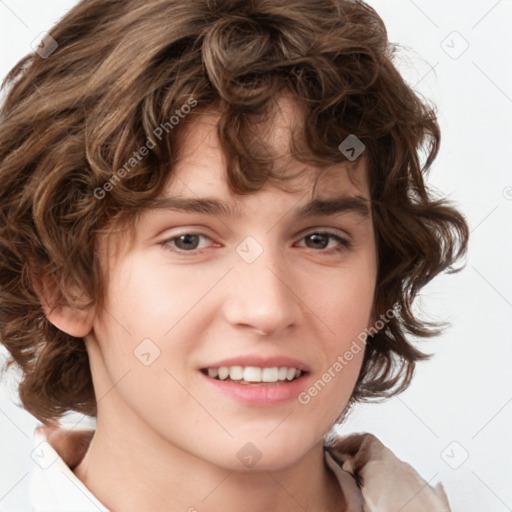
point(185, 243)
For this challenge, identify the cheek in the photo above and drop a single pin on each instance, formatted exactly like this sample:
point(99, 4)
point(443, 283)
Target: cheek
point(149, 300)
point(344, 303)
point(137, 332)
point(151, 310)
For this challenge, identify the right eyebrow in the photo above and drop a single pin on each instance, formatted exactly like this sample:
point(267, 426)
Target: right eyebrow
point(208, 205)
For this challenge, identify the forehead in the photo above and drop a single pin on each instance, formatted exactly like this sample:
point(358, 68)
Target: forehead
point(200, 168)
point(199, 174)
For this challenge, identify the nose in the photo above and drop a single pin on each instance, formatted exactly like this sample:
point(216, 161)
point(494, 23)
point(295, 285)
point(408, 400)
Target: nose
point(261, 295)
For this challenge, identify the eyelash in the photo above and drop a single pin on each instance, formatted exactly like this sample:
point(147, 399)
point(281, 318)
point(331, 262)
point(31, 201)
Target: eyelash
point(344, 244)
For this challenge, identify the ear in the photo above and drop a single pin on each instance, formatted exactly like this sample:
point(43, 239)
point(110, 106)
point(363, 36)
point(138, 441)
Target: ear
point(67, 318)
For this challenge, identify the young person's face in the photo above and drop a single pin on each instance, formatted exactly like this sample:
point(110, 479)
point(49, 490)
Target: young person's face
point(252, 289)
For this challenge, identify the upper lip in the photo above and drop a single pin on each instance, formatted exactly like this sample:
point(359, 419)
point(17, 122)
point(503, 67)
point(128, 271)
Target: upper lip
point(261, 362)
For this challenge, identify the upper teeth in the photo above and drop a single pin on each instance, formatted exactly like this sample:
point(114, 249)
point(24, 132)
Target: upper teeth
point(254, 374)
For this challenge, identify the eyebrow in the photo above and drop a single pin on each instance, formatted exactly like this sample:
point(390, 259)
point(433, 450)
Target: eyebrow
point(316, 207)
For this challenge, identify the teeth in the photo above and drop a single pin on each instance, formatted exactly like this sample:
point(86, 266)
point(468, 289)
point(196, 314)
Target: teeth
point(282, 373)
point(254, 374)
point(269, 374)
point(251, 374)
point(223, 373)
point(236, 373)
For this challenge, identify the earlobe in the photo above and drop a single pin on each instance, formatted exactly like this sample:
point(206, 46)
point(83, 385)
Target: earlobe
point(67, 318)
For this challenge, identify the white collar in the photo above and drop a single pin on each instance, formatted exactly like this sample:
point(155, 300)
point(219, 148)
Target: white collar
point(54, 487)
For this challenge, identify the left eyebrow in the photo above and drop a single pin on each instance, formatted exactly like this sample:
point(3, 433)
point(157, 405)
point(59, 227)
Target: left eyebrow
point(214, 206)
point(331, 206)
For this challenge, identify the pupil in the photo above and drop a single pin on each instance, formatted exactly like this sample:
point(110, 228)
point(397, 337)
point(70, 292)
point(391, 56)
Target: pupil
point(189, 241)
point(318, 237)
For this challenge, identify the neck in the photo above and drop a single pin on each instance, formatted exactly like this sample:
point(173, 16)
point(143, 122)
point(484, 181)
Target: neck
point(159, 476)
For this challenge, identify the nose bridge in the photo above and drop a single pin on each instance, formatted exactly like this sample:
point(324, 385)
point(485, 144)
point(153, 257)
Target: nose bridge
point(260, 293)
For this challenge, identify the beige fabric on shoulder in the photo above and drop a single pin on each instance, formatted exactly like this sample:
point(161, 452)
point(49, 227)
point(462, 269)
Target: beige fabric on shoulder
point(386, 483)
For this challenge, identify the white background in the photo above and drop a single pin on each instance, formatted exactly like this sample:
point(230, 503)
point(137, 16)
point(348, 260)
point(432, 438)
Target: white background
point(459, 404)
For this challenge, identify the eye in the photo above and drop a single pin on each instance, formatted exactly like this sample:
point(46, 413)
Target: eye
point(322, 240)
point(187, 242)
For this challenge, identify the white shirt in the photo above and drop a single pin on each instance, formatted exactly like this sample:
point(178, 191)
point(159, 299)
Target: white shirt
point(54, 487)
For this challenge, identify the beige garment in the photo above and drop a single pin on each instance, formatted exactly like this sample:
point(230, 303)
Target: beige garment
point(371, 477)
point(385, 483)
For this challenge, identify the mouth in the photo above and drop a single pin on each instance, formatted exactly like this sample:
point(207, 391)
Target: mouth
point(256, 380)
point(254, 374)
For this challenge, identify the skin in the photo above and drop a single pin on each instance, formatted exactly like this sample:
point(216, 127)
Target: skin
point(165, 438)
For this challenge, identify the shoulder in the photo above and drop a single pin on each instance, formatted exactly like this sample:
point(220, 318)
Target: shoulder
point(386, 482)
point(54, 487)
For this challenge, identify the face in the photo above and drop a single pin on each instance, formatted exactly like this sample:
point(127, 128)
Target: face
point(256, 291)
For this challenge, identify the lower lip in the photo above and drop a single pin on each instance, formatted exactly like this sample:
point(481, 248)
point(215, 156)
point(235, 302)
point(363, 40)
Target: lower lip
point(260, 395)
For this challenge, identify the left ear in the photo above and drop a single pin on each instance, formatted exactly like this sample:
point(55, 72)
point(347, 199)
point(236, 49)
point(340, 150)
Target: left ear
point(69, 319)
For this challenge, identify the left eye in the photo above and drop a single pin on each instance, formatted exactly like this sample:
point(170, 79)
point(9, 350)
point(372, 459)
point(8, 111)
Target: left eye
point(189, 242)
point(321, 241)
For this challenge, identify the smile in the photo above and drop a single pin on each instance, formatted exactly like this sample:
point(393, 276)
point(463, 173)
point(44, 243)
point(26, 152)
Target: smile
point(253, 374)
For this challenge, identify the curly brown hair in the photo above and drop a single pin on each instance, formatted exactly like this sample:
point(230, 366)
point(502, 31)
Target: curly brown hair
point(123, 68)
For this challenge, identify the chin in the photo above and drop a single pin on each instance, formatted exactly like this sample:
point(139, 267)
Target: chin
point(260, 454)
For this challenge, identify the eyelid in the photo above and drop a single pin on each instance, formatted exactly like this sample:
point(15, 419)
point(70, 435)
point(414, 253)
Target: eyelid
point(342, 233)
point(175, 232)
